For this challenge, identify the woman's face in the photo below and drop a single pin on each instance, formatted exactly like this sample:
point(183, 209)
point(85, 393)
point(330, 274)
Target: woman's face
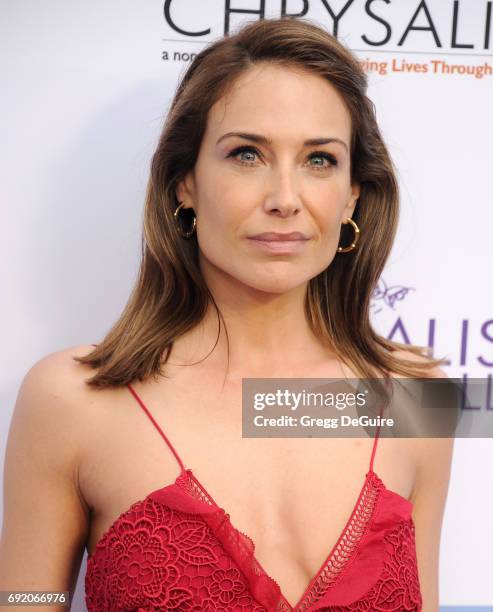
point(273, 181)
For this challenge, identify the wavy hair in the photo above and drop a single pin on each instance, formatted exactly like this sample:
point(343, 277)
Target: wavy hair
point(170, 296)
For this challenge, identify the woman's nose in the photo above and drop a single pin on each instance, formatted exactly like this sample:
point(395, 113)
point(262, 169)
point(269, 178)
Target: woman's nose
point(283, 196)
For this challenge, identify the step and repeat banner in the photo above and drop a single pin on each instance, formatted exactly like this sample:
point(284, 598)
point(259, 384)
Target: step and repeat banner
point(86, 88)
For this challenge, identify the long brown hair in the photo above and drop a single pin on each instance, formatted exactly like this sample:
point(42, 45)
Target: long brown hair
point(171, 297)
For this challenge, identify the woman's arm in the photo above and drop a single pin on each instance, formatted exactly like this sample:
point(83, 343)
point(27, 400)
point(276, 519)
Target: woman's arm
point(45, 520)
point(429, 496)
point(433, 459)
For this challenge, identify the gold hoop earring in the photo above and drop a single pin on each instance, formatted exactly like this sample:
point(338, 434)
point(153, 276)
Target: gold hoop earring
point(177, 221)
point(355, 239)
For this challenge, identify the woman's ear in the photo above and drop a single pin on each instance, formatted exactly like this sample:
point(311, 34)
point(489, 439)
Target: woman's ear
point(353, 200)
point(185, 191)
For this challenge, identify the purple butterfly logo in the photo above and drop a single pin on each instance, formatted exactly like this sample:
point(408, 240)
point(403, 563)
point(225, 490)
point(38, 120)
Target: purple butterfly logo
point(388, 295)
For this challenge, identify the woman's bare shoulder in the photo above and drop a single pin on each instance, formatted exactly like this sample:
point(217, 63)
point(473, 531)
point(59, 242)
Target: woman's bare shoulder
point(433, 456)
point(53, 391)
point(59, 370)
point(45, 442)
point(55, 367)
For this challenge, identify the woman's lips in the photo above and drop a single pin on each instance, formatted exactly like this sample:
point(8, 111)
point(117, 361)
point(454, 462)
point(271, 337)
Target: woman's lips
point(280, 247)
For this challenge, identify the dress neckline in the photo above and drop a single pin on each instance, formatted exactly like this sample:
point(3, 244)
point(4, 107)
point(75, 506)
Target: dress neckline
point(188, 482)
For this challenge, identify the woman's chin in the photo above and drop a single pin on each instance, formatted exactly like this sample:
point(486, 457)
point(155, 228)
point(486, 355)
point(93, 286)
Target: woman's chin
point(278, 285)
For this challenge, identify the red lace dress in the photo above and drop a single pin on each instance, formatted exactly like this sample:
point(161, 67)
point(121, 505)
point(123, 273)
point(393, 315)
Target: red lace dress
point(178, 550)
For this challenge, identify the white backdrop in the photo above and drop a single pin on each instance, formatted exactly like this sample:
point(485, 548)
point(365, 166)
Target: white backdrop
point(85, 91)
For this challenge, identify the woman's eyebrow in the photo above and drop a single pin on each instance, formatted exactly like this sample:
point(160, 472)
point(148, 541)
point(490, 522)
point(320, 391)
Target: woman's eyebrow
point(263, 140)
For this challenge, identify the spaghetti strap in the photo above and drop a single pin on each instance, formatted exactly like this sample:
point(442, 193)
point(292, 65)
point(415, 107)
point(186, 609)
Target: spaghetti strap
point(146, 410)
point(375, 442)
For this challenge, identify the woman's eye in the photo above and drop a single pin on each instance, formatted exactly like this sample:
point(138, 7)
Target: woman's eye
point(240, 150)
point(251, 152)
point(324, 156)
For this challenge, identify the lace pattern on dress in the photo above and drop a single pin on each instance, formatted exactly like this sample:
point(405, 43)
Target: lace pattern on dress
point(156, 558)
point(239, 546)
point(159, 559)
point(398, 588)
point(345, 548)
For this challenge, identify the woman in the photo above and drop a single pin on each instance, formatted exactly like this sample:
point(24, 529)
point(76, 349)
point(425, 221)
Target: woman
point(269, 149)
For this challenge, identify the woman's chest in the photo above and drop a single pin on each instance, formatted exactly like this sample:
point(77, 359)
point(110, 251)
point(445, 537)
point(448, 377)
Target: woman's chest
point(292, 497)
